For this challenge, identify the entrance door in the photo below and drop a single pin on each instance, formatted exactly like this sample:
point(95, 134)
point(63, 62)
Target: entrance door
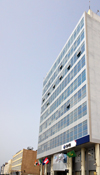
point(92, 172)
point(78, 173)
point(61, 173)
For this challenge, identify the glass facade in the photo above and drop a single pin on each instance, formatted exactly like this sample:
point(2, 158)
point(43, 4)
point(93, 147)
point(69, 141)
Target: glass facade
point(65, 49)
point(65, 59)
point(70, 89)
point(74, 133)
point(64, 98)
point(63, 109)
point(76, 114)
point(65, 73)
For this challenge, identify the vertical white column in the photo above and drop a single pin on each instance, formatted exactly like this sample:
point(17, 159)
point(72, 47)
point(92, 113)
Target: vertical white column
point(69, 165)
point(97, 156)
point(82, 161)
point(52, 172)
point(45, 169)
point(41, 169)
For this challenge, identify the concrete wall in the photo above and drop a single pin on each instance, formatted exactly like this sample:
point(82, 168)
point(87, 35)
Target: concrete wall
point(93, 59)
point(28, 160)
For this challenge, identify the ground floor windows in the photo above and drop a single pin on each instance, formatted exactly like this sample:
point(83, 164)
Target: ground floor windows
point(77, 165)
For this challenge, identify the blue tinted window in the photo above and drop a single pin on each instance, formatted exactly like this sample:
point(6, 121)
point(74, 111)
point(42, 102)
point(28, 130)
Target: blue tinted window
point(79, 112)
point(79, 80)
point(83, 76)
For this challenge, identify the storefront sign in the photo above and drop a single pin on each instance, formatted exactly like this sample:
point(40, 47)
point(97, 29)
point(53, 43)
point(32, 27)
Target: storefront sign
point(69, 145)
point(59, 162)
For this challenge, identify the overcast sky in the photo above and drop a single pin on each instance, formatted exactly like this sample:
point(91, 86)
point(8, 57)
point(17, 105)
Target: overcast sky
point(32, 33)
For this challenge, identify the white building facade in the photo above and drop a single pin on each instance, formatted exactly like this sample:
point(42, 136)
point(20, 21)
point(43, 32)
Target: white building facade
point(7, 167)
point(70, 115)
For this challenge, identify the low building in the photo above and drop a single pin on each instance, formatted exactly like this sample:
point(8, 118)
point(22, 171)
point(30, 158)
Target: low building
point(7, 167)
point(2, 169)
point(23, 163)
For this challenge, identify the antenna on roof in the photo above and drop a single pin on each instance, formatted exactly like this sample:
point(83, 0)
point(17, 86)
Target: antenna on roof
point(97, 11)
point(89, 4)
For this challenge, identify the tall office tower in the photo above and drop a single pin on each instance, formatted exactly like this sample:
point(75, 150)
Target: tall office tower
point(70, 109)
